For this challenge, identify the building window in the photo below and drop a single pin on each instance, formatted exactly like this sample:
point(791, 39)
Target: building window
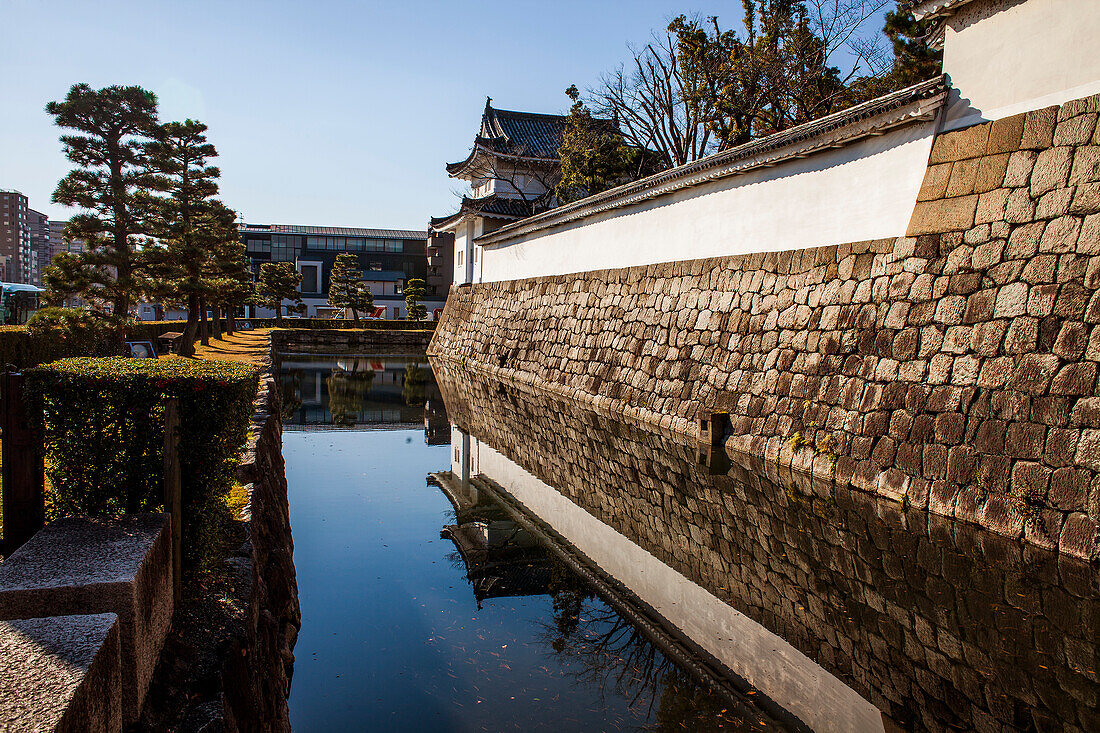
point(375, 266)
point(285, 248)
point(394, 245)
point(460, 258)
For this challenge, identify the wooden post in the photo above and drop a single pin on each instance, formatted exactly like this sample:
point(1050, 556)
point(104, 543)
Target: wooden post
point(23, 470)
point(173, 501)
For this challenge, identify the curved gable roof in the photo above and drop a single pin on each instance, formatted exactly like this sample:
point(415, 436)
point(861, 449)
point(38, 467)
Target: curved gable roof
point(526, 135)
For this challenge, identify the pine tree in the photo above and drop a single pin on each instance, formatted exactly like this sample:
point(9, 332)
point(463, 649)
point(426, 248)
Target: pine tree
point(231, 278)
point(415, 290)
point(914, 60)
point(189, 221)
point(278, 281)
point(362, 299)
point(343, 284)
point(112, 184)
point(594, 156)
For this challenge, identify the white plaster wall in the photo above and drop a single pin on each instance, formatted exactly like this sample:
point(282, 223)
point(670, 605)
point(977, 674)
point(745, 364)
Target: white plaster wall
point(769, 663)
point(859, 192)
point(1004, 57)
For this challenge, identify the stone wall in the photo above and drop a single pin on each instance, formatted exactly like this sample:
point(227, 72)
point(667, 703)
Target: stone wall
point(258, 665)
point(229, 659)
point(954, 368)
point(341, 341)
point(939, 624)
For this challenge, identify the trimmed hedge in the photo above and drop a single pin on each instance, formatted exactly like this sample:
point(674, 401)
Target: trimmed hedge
point(23, 349)
point(103, 423)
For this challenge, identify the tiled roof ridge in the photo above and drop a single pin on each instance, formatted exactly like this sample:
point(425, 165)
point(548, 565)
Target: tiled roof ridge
point(521, 114)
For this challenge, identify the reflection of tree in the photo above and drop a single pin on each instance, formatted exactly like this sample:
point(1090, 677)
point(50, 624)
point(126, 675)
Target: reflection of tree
point(291, 392)
point(569, 594)
point(416, 379)
point(347, 391)
point(612, 655)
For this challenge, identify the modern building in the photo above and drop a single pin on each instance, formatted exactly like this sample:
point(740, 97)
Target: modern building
point(441, 263)
point(15, 237)
point(57, 239)
point(388, 258)
point(512, 169)
point(40, 244)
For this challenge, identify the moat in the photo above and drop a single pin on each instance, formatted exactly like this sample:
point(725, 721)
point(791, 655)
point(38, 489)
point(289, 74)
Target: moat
point(473, 556)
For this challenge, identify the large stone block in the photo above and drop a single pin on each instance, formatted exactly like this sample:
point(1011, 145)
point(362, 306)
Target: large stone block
point(963, 175)
point(1038, 132)
point(969, 142)
point(946, 215)
point(1075, 130)
point(1005, 134)
point(935, 182)
point(1086, 165)
point(60, 674)
point(1051, 170)
point(991, 172)
point(92, 566)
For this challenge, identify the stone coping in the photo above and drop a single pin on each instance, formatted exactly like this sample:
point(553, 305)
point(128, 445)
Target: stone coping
point(60, 674)
point(80, 552)
point(100, 565)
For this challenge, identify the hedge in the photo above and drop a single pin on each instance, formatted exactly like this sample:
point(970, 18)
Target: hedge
point(103, 426)
point(23, 349)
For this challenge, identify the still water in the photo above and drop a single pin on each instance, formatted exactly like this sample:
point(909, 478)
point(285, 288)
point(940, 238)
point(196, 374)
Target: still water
point(516, 562)
point(426, 609)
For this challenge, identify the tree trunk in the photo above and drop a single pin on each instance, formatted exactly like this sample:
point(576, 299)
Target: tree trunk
point(204, 329)
point(217, 321)
point(279, 315)
point(229, 312)
point(187, 341)
point(355, 315)
point(121, 306)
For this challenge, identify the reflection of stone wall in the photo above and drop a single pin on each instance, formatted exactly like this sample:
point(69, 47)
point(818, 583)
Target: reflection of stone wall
point(936, 623)
point(954, 368)
point(349, 341)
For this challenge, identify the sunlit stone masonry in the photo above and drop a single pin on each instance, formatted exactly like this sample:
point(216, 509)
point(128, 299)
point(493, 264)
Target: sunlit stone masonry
point(948, 359)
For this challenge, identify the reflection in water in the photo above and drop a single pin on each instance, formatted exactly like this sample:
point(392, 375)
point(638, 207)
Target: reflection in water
point(493, 629)
point(359, 391)
point(594, 631)
point(844, 611)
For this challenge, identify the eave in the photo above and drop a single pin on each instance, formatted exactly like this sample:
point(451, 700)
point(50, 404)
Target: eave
point(485, 147)
point(472, 207)
point(919, 102)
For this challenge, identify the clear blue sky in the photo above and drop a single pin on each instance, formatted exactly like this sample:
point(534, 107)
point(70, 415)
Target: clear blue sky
point(331, 112)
